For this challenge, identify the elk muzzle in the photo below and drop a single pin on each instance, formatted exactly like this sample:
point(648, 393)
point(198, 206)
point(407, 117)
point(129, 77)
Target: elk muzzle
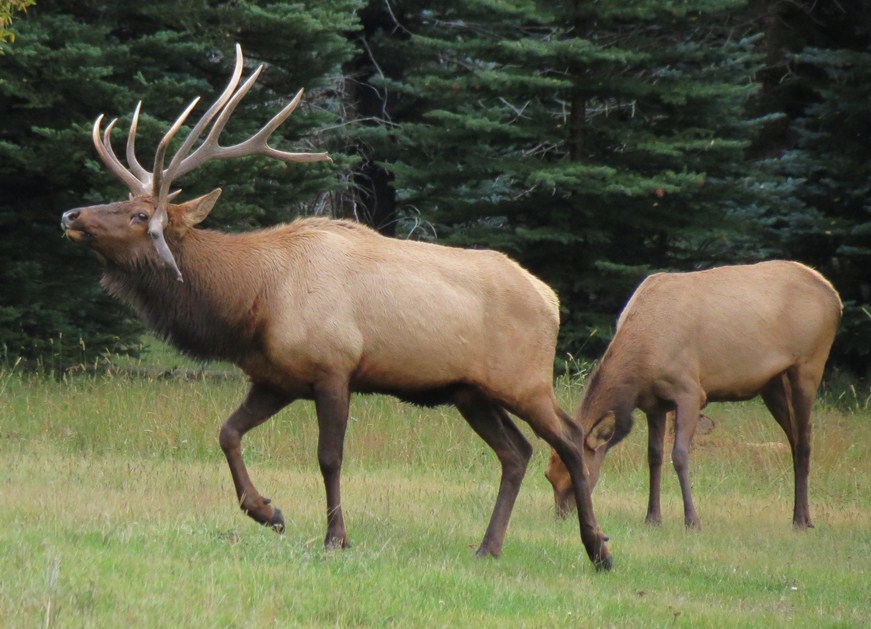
point(73, 230)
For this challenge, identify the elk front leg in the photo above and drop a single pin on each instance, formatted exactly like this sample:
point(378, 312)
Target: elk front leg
point(571, 452)
point(260, 404)
point(685, 421)
point(655, 446)
point(565, 436)
point(332, 403)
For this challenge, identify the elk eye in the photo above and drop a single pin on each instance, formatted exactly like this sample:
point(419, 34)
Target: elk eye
point(141, 217)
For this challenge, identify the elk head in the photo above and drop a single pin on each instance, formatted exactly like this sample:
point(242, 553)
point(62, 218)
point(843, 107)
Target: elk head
point(131, 229)
point(598, 439)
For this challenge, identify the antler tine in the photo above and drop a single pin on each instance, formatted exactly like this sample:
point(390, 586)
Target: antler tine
point(135, 166)
point(210, 147)
point(180, 155)
point(258, 144)
point(107, 155)
point(255, 145)
point(158, 181)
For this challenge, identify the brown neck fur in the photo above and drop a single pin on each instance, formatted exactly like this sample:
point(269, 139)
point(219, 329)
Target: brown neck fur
point(611, 388)
point(215, 313)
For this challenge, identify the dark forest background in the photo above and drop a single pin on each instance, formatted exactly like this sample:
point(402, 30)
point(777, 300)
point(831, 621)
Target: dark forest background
point(595, 142)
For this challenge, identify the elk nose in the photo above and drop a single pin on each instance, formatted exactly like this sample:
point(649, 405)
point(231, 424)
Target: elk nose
point(68, 218)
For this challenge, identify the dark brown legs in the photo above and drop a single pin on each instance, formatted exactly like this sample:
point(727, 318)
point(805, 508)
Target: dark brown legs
point(495, 427)
point(259, 405)
point(332, 404)
point(789, 397)
point(686, 419)
point(566, 437)
point(655, 446)
point(262, 403)
point(486, 417)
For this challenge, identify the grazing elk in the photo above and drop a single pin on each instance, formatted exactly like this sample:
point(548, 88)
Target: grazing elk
point(320, 308)
point(686, 339)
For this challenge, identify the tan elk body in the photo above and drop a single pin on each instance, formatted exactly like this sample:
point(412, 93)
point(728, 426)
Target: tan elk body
point(319, 309)
point(725, 334)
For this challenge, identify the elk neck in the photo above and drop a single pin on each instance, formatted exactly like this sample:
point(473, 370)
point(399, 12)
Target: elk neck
point(216, 312)
point(613, 387)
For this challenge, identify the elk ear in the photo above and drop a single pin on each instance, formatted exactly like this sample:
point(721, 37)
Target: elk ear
point(196, 210)
point(602, 431)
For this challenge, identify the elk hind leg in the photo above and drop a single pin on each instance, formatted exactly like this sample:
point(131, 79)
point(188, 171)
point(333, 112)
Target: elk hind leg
point(789, 398)
point(685, 422)
point(260, 404)
point(494, 426)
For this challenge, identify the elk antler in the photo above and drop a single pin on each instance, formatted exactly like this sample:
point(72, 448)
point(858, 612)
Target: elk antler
point(157, 183)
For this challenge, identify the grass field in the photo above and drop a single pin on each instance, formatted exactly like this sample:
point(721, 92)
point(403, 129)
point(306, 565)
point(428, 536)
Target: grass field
point(117, 509)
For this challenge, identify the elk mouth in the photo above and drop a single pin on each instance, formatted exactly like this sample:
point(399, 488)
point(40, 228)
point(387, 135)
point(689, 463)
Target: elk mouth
point(77, 235)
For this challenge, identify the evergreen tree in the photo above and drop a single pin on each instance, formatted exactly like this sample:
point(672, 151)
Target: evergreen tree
point(73, 60)
point(819, 74)
point(595, 142)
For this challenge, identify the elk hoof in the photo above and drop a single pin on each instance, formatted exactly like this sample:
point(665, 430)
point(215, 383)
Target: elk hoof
point(276, 522)
point(604, 563)
point(486, 552)
point(802, 525)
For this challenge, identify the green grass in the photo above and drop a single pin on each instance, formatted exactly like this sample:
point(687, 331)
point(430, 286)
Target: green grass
point(117, 509)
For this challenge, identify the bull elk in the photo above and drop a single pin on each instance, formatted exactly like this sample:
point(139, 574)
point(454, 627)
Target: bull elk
point(319, 309)
point(687, 339)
